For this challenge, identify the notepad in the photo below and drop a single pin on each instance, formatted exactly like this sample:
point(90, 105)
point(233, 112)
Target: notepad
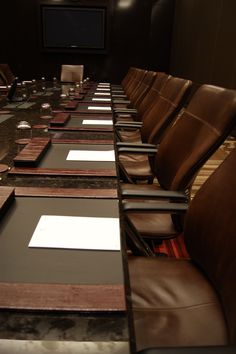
point(76, 232)
point(105, 108)
point(102, 93)
point(97, 122)
point(104, 83)
point(88, 155)
point(102, 99)
point(103, 89)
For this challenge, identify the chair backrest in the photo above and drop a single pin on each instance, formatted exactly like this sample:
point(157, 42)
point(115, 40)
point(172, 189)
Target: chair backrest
point(147, 102)
point(143, 89)
point(129, 76)
point(163, 111)
point(136, 81)
point(6, 75)
point(197, 132)
point(210, 235)
point(72, 73)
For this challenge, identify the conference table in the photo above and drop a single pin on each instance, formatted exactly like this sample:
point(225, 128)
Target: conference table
point(73, 296)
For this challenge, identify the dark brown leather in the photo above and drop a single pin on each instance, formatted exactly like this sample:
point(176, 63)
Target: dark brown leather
point(174, 305)
point(192, 302)
point(155, 122)
point(147, 102)
point(210, 231)
point(196, 134)
point(198, 131)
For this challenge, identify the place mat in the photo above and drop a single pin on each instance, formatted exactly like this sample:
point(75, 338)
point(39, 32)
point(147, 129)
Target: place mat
point(4, 117)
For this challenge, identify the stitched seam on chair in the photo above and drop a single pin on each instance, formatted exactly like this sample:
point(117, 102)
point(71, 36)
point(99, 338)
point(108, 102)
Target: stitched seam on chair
point(174, 308)
point(167, 100)
point(204, 122)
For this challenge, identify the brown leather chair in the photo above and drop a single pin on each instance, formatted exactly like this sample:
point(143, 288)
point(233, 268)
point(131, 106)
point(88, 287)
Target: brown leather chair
point(144, 105)
point(126, 79)
point(199, 130)
point(6, 75)
point(155, 123)
point(72, 73)
point(133, 85)
point(191, 303)
point(137, 96)
point(159, 112)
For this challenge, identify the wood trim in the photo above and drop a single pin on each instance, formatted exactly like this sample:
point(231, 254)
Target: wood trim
point(82, 128)
point(98, 115)
point(7, 195)
point(66, 192)
point(60, 119)
point(66, 297)
point(61, 172)
point(33, 152)
point(85, 111)
point(80, 141)
point(71, 105)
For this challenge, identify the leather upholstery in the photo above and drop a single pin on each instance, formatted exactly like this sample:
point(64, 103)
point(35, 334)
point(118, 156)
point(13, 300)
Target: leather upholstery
point(192, 302)
point(196, 134)
point(155, 123)
point(72, 73)
point(143, 106)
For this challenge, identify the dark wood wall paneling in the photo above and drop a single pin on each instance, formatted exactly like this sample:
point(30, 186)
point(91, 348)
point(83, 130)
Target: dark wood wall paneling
point(203, 46)
point(139, 36)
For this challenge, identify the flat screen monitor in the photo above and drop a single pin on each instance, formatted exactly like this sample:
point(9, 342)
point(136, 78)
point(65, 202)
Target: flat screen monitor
point(68, 27)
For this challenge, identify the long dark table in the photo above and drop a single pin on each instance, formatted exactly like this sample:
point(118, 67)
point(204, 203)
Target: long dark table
point(107, 320)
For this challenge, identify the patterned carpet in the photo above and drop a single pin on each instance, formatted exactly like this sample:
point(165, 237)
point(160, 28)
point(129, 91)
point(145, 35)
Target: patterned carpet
point(176, 247)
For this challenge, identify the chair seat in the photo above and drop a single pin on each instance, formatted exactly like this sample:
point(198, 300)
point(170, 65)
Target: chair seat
point(146, 224)
point(130, 136)
point(174, 304)
point(136, 165)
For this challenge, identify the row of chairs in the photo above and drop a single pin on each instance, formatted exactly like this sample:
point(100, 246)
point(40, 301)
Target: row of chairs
point(189, 136)
point(189, 302)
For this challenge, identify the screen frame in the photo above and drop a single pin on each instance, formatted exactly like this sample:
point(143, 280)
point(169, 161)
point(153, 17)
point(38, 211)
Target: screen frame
point(94, 6)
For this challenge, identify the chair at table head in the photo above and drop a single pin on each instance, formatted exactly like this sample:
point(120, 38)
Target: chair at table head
point(72, 73)
point(6, 75)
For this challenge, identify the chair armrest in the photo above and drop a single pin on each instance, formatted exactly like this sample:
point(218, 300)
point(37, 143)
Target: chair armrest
point(161, 194)
point(179, 208)
point(121, 124)
point(135, 145)
point(121, 101)
point(125, 110)
point(119, 96)
point(137, 150)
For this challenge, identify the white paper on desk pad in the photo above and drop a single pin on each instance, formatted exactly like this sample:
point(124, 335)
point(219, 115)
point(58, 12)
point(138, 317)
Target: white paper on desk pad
point(105, 108)
point(98, 122)
point(102, 99)
point(104, 83)
point(102, 89)
point(102, 93)
point(88, 155)
point(75, 232)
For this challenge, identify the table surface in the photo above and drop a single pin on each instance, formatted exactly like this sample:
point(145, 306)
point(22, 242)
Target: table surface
point(71, 326)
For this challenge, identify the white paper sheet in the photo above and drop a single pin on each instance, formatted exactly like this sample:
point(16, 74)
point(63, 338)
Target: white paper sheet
point(102, 99)
point(88, 155)
point(102, 93)
point(102, 89)
point(75, 232)
point(105, 108)
point(97, 122)
point(104, 84)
